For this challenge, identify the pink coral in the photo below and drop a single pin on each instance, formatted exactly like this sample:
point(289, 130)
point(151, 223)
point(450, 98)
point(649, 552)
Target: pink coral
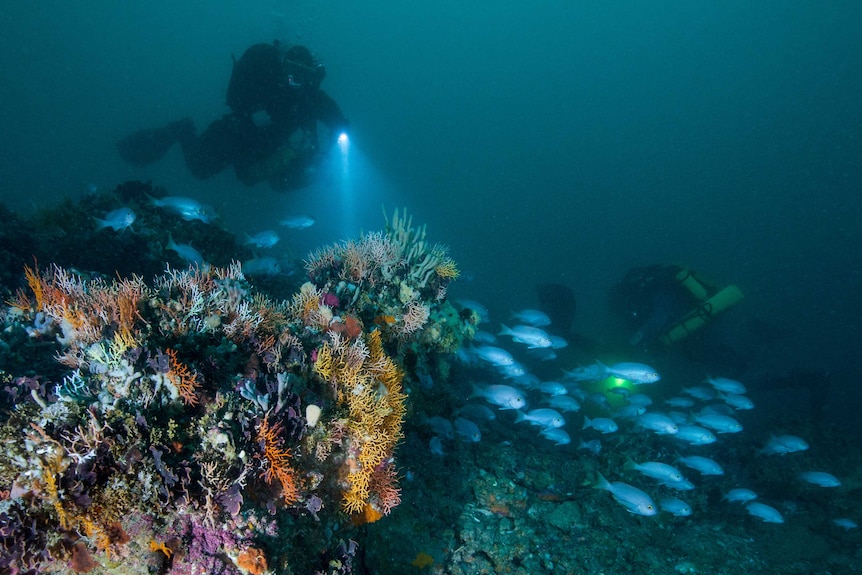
point(384, 485)
point(329, 299)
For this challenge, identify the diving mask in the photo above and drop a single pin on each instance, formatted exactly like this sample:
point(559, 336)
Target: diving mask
point(301, 75)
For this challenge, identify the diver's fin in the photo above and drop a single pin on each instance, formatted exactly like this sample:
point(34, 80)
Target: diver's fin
point(558, 301)
point(149, 146)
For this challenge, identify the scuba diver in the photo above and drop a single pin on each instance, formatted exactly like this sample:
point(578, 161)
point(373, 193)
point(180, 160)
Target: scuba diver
point(270, 134)
point(666, 303)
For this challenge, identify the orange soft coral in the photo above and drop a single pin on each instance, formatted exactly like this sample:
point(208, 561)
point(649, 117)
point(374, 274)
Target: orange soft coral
point(183, 379)
point(349, 325)
point(277, 459)
point(37, 286)
point(252, 561)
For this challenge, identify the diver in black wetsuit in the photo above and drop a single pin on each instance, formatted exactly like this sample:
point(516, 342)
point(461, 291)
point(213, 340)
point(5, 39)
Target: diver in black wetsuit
point(649, 298)
point(672, 306)
point(271, 132)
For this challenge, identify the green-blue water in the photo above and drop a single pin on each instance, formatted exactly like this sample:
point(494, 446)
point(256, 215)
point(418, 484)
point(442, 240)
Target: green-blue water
point(543, 142)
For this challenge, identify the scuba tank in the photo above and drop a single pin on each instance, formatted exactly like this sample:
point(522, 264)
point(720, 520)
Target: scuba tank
point(686, 277)
point(704, 312)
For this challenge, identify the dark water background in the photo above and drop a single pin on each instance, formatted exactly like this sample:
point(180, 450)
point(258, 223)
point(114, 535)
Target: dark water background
point(553, 141)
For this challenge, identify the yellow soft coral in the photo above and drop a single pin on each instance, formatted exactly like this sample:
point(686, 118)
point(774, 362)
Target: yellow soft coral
point(448, 269)
point(368, 385)
point(323, 365)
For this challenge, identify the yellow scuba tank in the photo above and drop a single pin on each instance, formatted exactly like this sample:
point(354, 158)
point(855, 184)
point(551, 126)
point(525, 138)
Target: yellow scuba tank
point(688, 280)
point(699, 316)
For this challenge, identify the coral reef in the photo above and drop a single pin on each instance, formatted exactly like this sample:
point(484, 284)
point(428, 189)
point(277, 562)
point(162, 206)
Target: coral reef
point(192, 424)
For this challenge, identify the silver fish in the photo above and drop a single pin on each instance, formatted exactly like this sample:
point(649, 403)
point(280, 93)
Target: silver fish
point(737, 401)
point(117, 220)
point(765, 512)
point(298, 222)
point(594, 445)
point(543, 353)
point(441, 426)
point(630, 411)
point(533, 317)
point(704, 465)
point(659, 423)
point(680, 402)
point(553, 388)
point(782, 444)
point(484, 337)
point(593, 372)
point(845, 523)
point(726, 385)
point(494, 355)
point(676, 507)
point(641, 399)
point(694, 435)
point(637, 373)
point(533, 337)
point(468, 430)
point(740, 495)
point(435, 446)
point(684, 485)
point(514, 370)
point(820, 478)
point(188, 209)
point(503, 396)
point(477, 411)
point(602, 424)
point(543, 417)
point(263, 240)
point(185, 251)
point(599, 399)
point(719, 423)
point(655, 470)
point(526, 380)
point(700, 392)
point(564, 403)
point(557, 435)
point(633, 499)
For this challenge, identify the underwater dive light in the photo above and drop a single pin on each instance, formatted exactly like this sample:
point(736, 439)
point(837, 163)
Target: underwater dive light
point(347, 200)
